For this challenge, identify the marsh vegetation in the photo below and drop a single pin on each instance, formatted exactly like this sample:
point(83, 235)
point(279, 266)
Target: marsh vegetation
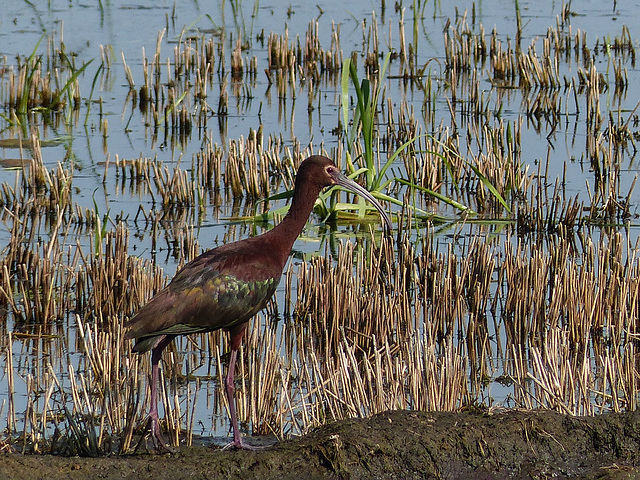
point(506, 157)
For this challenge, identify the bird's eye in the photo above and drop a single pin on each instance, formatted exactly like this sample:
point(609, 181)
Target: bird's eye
point(330, 170)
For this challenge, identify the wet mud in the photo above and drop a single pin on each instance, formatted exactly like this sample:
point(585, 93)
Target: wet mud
point(392, 445)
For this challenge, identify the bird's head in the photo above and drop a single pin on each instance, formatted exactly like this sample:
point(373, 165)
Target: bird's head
point(321, 171)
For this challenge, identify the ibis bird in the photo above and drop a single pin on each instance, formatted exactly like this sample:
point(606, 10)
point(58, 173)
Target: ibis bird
point(225, 286)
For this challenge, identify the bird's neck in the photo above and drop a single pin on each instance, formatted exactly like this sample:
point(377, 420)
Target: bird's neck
point(292, 224)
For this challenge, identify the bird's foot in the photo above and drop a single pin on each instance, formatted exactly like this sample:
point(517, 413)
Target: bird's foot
point(153, 428)
point(239, 444)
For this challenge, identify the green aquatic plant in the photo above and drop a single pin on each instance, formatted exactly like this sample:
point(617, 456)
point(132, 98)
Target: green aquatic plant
point(362, 160)
point(39, 91)
point(362, 129)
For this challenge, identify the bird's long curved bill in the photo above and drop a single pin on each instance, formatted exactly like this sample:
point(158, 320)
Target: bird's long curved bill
point(345, 182)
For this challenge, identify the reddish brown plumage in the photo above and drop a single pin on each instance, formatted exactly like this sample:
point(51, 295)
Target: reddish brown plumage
point(201, 296)
point(226, 286)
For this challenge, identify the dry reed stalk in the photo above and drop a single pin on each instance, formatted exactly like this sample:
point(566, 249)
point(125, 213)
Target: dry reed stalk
point(277, 50)
point(173, 407)
point(333, 58)
point(37, 271)
point(223, 99)
point(103, 281)
point(249, 166)
point(463, 47)
point(394, 375)
point(237, 62)
point(400, 353)
point(371, 45)
point(261, 384)
point(11, 405)
point(585, 330)
point(312, 49)
point(311, 61)
point(403, 44)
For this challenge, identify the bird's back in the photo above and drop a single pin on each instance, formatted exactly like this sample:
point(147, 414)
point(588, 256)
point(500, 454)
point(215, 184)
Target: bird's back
point(221, 288)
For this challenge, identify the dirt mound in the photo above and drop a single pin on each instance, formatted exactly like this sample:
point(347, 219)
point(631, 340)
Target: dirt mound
point(393, 445)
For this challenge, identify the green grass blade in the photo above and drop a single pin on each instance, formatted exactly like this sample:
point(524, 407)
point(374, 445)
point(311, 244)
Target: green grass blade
point(72, 79)
point(487, 183)
point(377, 184)
point(345, 97)
point(439, 196)
point(416, 211)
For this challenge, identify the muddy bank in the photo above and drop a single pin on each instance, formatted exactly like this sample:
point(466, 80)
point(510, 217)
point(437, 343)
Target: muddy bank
point(512, 444)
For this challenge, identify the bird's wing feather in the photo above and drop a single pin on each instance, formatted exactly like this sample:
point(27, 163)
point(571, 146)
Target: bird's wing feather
point(220, 289)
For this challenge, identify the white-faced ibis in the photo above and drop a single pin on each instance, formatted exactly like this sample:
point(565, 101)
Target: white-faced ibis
point(226, 286)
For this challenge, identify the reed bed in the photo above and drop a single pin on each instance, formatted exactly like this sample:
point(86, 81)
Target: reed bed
point(428, 333)
point(43, 81)
point(533, 298)
point(249, 167)
point(392, 325)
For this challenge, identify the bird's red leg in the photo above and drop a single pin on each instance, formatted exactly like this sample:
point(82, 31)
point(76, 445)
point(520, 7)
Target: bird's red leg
point(230, 389)
point(229, 384)
point(153, 424)
point(154, 421)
